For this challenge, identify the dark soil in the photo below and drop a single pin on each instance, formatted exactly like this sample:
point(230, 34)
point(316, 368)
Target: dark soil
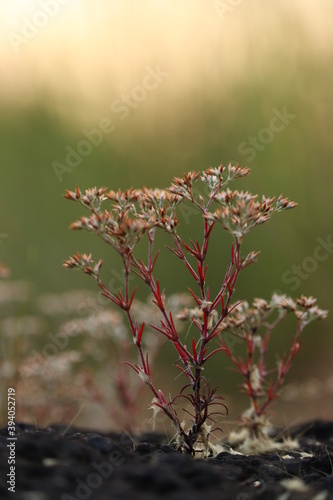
point(90, 465)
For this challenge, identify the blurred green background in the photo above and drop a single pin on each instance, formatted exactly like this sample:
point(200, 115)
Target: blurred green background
point(222, 73)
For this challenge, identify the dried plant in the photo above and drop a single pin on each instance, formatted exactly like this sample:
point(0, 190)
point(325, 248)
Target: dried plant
point(122, 400)
point(38, 362)
point(136, 214)
point(31, 362)
point(262, 384)
point(43, 392)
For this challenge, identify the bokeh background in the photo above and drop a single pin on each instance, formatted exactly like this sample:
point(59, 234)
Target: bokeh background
point(219, 74)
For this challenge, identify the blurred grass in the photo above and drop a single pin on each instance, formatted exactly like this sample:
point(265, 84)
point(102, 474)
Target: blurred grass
point(180, 127)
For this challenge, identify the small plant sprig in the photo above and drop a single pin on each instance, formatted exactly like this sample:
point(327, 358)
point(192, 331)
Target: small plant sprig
point(262, 385)
point(135, 214)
